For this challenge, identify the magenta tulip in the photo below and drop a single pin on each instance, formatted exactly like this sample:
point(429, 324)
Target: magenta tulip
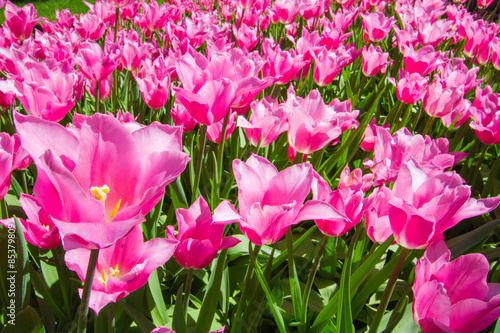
point(454, 297)
point(97, 179)
point(20, 21)
point(199, 238)
point(376, 26)
point(374, 60)
point(121, 268)
point(486, 113)
point(271, 201)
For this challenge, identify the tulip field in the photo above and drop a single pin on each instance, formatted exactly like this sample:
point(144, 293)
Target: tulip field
point(195, 166)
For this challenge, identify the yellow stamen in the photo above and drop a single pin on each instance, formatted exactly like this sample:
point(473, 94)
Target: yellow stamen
point(115, 209)
point(100, 193)
point(114, 272)
point(103, 275)
point(46, 227)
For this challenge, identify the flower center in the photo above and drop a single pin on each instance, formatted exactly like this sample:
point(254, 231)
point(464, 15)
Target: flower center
point(101, 193)
point(105, 277)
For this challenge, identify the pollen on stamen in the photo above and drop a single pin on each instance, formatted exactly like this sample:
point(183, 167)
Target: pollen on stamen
point(100, 192)
point(115, 209)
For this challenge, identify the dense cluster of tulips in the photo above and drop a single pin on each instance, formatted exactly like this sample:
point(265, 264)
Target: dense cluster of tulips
point(327, 198)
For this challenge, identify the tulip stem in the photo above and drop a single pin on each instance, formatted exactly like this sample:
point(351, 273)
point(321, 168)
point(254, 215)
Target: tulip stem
point(187, 291)
point(244, 291)
point(386, 296)
point(294, 284)
point(96, 97)
point(111, 317)
point(310, 279)
point(63, 282)
point(201, 150)
point(428, 125)
point(87, 288)
point(221, 157)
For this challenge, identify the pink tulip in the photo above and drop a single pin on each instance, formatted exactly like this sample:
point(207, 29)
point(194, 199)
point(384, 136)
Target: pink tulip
point(459, 74)
point(181, 117)
point(246, 37)
point(348, 202)
point(423, 207)
point(214, 131)
point(199, 238)
point(484, 3)
point(348, 178)
point(440, 100)
point(284, 11)
point(423, 61)
point(391, 151)
point(20, 21)
point(129, 11)
point(267, 121)
point(90, 26)
point(154, 91)
point(283, 64)
point(407, 38)
point(94, 64)
point(271, 201)
point(313, 124)
point(328, 64)
point(374, 60)
point(378, 226)
point(64, 18)
point(454, 297)
point(495, 53)
point(133, 53)
point(433, 33)
point(38, 228)
point(105, 87)
point(410, 88)
point(121, 268)
point(311, 8)
point(118, 3)
point(370, 135)
point(153, 16)
point(97, 179)
point(104, 10)
point(376, 26)
point(343, 18)
point(479, 36)
point(486, 113)
point(12, 157)
point(7, 93)
point(48, 89)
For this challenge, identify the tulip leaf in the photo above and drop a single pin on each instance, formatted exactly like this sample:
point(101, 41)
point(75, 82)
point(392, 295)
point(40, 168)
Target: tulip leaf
point(26, 321)
point(179, 320)
point(344, 316)
point(159, 309)
point(462, 243)
point(22, 268)
point(211, 297)
point(140, 320)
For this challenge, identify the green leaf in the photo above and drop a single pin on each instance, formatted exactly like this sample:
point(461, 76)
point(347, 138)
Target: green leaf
point(159, 309)
point(22, 268)
point(139, 318)
point(179, 320)
point(211, 298)
point(26, 321)
point(462, 243)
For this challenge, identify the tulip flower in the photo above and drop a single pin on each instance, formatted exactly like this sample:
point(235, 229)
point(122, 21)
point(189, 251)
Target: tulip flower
point(97, 179)
point(484, 3)
point(246, 37)
point(105, 87)
point(64, 18)
point(284, 11)
point(311, 8)
point(486, 114)
point(378, 226)
point(433, 33)
point(121, 268)
point(199, 238)
point(440, 100)
point(38, 228)
point(118, 3)
point(410, 87)
point(267, 121)
point(283, 64)
point(391, 151)
point(20, 21)
point(454, 296)
point(423, 207)
point(355, 177)
point(94, 64)
point(370, 135)
point(313, 124)
point(271, 201)
point(12, 157)
point(376, 26)
point(214, 131)
point(328, 64)
point(348, 202)
point(133, 53)
point(423, 61)
point(90, 26)
point(374, 60)
point(181, 117)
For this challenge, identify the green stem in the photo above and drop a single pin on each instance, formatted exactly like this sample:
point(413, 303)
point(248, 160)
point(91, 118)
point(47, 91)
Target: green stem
point(296, 295)
point(310, 279)
point(3, 209)
point(96, 97)
point(187, 291)
point(111, 317)
point(428, 125)
point(220, 156)
point(25, 183)
point(244, 290)
point(478, 166)
point(87, 288)
point(201, 150)
point(388, 290)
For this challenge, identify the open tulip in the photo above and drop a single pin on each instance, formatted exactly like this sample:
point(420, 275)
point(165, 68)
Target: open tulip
point(12, 157)
point(423, 207)
point(199, 239)
point(99, 178)
point(94, 64)
point(410, 87)
point(20, 20)
point(454, 296)
point(271, 201)
point(121, 268)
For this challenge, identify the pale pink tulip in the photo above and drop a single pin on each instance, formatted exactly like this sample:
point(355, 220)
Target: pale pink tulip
point(20, 21)
point(246, 37)
point(378, 226)
point(90, 26)
point(374, 60)
point(370, 135)
point(284, 11)
point(440, 100)
point(271, 201)
point(94, 63)
point(97, 179)
point(433, 33)
point(486, 113)
point(423, 207)
point(376, 26)
point(328, 64)
point(267, 121)
point(181, 117)
point(200, 239)
point(423, 61)
point(410, 87)
point(121, 268)
point(454, 297)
